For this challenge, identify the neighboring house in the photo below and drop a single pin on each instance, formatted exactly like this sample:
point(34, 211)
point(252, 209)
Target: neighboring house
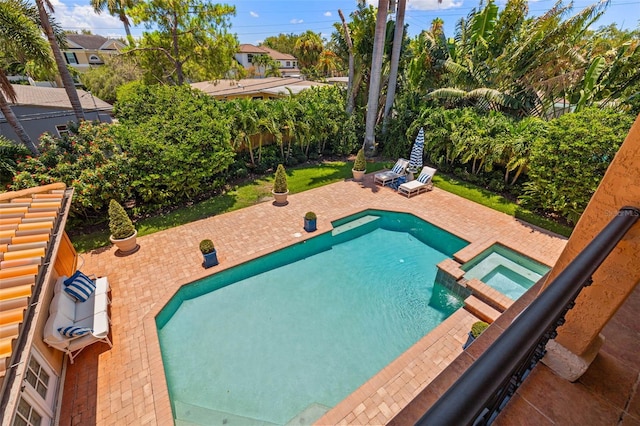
point(47, 109)
point(87, 50)
point(34, 252)
point(246, 53)
point(255, 88)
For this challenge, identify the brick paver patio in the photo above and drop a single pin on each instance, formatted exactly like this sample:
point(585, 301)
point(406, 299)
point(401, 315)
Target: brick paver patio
point(126, 385)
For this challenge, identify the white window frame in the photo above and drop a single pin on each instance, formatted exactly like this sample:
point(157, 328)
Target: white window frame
point(71, 58)
point(62, 129)
point(44, 406)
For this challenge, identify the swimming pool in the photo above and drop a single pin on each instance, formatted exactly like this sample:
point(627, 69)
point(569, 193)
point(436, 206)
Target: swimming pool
point(300, 329)
point(509, 272)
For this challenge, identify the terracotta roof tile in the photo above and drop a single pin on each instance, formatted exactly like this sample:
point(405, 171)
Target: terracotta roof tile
point(27, 220)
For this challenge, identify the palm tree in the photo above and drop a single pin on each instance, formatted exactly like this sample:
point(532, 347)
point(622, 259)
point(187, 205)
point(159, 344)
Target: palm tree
point(116, 8)
point(20, 37)
point(67, 80)
point(374, 83)
point(352, 72)
point(398, 36)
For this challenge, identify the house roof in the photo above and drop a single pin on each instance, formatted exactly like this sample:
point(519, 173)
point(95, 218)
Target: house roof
point(90, 41)
point(251, 86)
point(56, 98)
point(28, 219)
point(263, 50)
point(277, 55)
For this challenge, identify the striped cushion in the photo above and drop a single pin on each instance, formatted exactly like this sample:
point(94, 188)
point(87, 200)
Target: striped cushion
point(424, 178)
point(79, 286)
point(397, 168)
point(73, 331)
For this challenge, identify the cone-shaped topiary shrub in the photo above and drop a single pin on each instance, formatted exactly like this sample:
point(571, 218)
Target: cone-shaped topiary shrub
point(280, 184)
point(119, 223)
point(360, 164)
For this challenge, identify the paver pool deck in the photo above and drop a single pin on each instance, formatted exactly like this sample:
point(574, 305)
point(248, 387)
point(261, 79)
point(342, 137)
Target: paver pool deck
point(125, 384)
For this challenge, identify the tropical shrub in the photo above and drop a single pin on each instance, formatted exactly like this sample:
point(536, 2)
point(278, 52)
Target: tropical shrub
point(178, 141)
point(566, 167)
point(10, 154)
point(86, 159)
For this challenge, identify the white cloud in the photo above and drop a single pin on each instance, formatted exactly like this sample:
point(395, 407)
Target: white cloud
point(296, 21)
point(327, 13)
point(433, 4)
point(253, 14)
point(77, 18)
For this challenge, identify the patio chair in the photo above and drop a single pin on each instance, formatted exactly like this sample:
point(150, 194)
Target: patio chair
point(421, 184)
point(391, 176)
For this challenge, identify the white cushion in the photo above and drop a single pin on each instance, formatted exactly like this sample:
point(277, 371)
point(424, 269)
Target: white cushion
point(85, 309)
point(63, 303)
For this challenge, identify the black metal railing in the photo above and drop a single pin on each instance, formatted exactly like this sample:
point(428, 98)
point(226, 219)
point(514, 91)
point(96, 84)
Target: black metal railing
point(486, 386)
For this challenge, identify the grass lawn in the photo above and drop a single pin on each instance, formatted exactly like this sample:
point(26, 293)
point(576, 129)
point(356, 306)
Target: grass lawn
point(301, 179)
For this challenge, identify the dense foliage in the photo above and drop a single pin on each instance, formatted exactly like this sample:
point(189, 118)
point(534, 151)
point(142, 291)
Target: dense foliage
point(567, 166)
point(178, 141)
point(189, 40)
point(86, 159)
point(10, 155)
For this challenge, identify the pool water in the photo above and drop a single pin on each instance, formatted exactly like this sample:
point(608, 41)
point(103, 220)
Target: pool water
point(301, 329)
point(507, 271)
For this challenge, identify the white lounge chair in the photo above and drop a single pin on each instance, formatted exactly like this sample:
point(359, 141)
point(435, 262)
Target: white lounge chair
point(421, 184)
point(391, 176)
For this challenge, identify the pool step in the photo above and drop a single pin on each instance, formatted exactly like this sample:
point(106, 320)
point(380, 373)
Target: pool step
point(354, 224)
point(489, 295)
point(195, 415)
point(480, 309)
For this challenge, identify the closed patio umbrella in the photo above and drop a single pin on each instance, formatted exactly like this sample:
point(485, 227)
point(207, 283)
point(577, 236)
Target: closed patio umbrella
point(415, 161)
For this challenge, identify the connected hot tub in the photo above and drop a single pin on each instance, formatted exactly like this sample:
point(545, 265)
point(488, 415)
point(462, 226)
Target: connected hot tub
point(507, 271)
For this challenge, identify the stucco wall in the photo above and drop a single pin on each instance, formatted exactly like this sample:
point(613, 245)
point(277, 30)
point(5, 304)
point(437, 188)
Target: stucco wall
point(620, 273)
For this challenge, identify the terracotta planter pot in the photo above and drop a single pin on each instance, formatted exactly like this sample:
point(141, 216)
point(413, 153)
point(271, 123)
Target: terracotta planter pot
point(125, 245)
point(358, 175)
point(281, 197)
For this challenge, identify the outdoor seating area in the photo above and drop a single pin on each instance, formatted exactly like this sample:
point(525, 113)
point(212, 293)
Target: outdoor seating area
point(78, 314)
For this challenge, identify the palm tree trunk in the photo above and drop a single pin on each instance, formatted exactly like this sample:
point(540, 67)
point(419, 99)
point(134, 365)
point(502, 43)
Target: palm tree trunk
point(16, 126)
point(374, 83)
point(395, 60)
point(350, 91)
point(127, 28)
point(67, 80)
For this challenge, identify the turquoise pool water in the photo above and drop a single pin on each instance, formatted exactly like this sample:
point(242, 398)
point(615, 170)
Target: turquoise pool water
point(509, 272)
point(285, 337)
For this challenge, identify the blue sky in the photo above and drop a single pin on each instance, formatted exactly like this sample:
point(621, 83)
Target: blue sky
point(257, 19)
